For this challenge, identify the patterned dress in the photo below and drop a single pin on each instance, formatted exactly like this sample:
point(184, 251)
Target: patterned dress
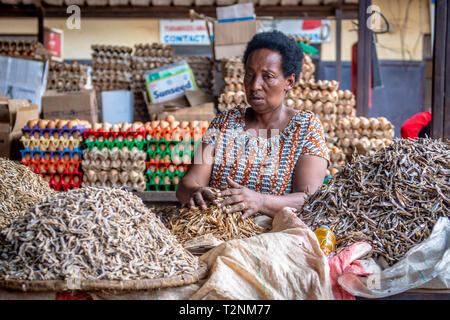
point(265, 165)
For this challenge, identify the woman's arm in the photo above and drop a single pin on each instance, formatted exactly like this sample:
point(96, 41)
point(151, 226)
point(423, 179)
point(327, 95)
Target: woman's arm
point(310, 171)
point(193, 187)
point(309, 174)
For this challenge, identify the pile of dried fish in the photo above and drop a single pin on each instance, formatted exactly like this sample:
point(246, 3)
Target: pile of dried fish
point(190, 223)
point(20, 188)
point(391, 199)
point(91, 233)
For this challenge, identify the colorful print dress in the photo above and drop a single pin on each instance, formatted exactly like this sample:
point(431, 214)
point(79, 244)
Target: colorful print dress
point(264, 165)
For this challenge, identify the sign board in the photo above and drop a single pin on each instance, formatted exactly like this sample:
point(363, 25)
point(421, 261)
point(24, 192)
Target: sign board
point(53, 42)
point(183, 32)
point(169, 82)
point(318, 30)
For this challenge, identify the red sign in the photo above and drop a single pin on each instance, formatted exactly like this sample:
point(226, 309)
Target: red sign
point(53, 42)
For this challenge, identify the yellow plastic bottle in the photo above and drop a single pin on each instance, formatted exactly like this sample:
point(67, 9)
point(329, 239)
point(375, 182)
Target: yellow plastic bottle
point(327, 240)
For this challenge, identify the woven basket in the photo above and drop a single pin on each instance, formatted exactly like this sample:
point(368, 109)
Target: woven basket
point(204, 2)
point(311, 2)
point(255, 2)
point(106, 285)
point(75, 2)
point(161, 2)
point(54, 2)
point(289, 2)
point(225, 2)
point(183, 2)
point(97, 2)
point(114, 3)
point(145, 3)
point(269, 2)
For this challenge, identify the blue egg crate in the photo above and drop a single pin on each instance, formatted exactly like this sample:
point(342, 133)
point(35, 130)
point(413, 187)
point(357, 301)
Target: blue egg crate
point(61, 131)
point(52, 153)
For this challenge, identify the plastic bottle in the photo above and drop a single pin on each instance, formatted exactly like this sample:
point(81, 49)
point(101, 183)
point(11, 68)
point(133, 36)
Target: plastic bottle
point(327, 240)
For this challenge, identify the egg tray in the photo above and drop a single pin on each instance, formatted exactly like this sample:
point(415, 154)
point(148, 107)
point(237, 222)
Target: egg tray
point(114, 134)
point(121, 166)
point(79, 128)
point(52, 153)
point(161, 187)
point(167, 144)
point(140, 178)
point(166, 157)
point(158, 133)
point(47, 163)
point(62, 186)
point(36, 169)
point(115, 143)
point(162, 174)
point(76, 142)
point(165, 166)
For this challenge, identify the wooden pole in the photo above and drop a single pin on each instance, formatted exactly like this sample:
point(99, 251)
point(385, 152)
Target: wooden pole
point(446, 118)
point(338, 14)
point(364, 59)
point(40, 11)
point(440, 64)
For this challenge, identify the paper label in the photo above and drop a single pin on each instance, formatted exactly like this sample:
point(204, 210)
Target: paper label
point(169, 82)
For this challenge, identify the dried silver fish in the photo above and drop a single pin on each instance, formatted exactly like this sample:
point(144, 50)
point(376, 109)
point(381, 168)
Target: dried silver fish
point(91, 233)
point(391, 199)
point(20, 188)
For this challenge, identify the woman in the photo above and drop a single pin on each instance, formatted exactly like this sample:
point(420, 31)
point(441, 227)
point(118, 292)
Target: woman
point(266, 156)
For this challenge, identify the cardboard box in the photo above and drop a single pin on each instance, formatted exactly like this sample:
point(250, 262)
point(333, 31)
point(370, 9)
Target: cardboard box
point(117, 106)
point(13, 117)
point(231, 38)
point(195, 105)
point(169, 82)
point(70, 105)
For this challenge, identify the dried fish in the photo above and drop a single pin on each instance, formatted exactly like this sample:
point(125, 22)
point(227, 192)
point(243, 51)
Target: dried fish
point(20, 188)
point(190, 223)
point(391, 199)
point(91, 233)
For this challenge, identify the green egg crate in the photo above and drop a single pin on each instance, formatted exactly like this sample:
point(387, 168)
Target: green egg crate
point(162, 153)
point(115, 143)
point(151, 186)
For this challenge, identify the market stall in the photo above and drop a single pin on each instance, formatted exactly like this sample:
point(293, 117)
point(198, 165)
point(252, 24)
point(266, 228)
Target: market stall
point(91, 209)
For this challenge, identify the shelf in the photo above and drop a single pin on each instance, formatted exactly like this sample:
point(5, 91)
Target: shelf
point(178, 12)
point(156, 196)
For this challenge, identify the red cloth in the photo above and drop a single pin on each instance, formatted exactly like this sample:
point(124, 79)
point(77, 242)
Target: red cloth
point(345, 262)
point(412, 126)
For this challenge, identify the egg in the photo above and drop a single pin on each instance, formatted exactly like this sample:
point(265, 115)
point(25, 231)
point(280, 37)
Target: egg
point(72, 123)
point(170, 118)
point(61, 124)
point(164, 124)
point(32, 123)
point(41, 124)
point(51, 124)
point(174, 124)
point(193, 124)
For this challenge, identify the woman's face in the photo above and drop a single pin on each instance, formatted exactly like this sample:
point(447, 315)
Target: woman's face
point(264, 81)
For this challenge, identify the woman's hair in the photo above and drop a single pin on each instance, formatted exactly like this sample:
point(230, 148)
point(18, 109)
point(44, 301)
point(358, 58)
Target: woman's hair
point(291, 53)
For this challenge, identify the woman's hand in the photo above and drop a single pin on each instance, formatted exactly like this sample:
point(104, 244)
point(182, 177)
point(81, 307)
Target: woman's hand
point(240, 198)
point(199, 196)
